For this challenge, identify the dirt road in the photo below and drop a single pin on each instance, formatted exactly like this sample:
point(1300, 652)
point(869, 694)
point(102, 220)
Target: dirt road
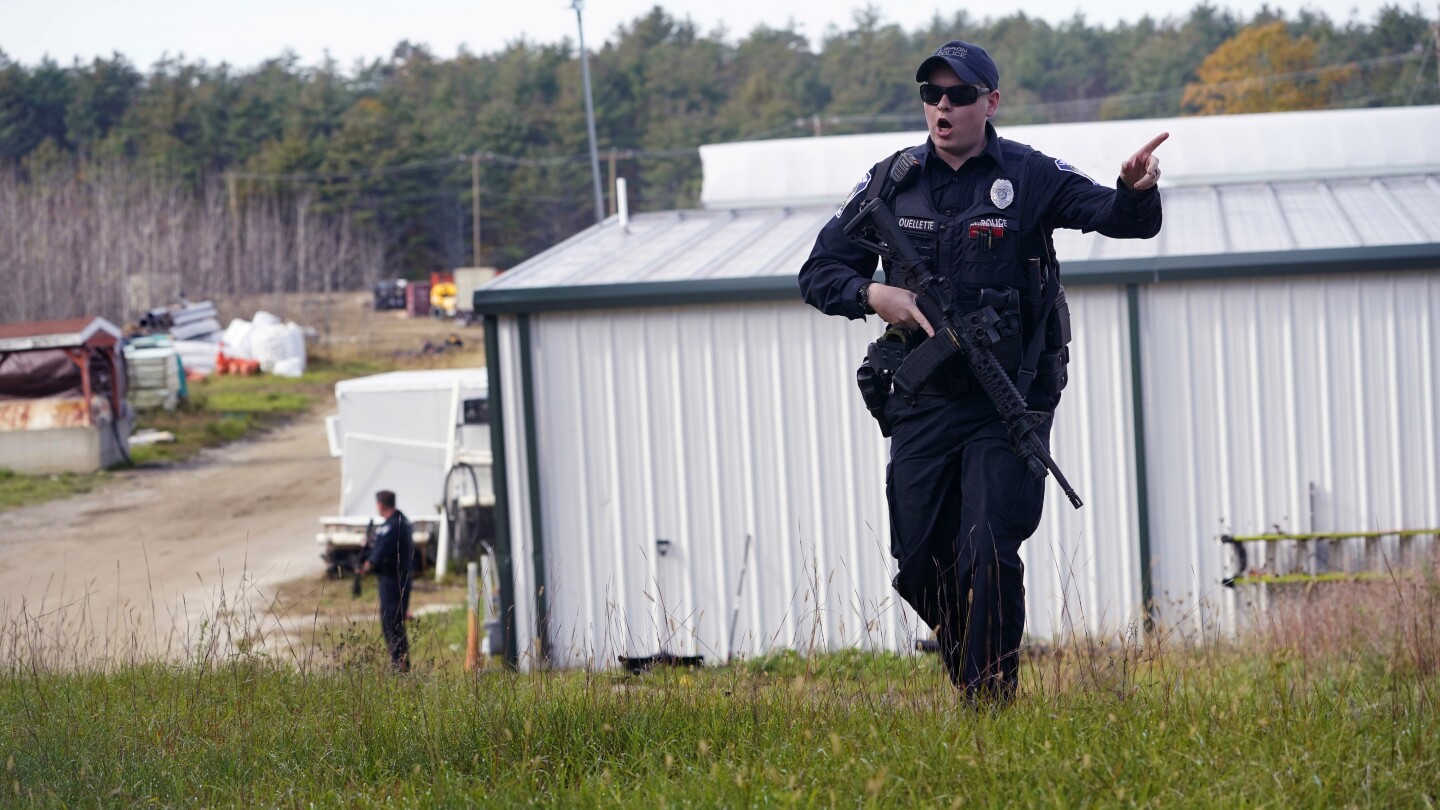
point(163, 561)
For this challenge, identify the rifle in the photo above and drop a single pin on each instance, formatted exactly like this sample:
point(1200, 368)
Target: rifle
point(969, 334)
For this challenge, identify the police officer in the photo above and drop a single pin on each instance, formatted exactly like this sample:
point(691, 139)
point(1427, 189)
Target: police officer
point(391, 558)
point(981, 213)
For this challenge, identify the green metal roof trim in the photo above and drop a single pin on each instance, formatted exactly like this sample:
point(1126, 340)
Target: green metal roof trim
point(1368, 259)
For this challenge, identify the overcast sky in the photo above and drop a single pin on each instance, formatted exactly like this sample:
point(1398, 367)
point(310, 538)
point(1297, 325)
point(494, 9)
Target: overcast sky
point(245, 33)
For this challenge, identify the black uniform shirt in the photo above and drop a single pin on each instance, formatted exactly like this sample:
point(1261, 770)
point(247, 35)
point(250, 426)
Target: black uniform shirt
point(394, 545)
point(951, 190)
point(1066, 198)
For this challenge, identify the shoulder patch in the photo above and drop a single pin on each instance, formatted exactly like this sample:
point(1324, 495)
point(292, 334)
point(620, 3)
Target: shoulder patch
point(859, 187)
point(1066, 167)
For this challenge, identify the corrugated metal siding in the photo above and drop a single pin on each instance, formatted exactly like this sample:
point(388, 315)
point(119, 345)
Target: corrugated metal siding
point(516, 473)
point(704, 426)
point(693, 427)
point(1256, 391)
point(1298, 403)
point(1082, 567)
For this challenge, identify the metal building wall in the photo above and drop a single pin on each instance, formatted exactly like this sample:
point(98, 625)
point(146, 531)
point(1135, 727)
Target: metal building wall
point(518, 511)
point(694, 426)
point(1082, 567)
point(1299, 404)
point(705, 426)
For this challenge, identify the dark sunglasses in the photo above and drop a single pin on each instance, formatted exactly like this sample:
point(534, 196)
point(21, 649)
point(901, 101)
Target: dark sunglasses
point(961, 95)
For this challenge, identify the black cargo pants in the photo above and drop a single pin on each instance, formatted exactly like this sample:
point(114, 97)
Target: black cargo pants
point(394, 604)
point(961, 503)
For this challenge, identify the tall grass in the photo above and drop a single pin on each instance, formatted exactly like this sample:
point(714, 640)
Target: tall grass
point(1327, 699)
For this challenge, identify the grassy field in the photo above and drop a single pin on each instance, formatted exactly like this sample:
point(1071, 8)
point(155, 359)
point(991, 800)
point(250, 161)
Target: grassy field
point(1329, 702)
point(20, 490)
point(225, 409)
point(332, 599)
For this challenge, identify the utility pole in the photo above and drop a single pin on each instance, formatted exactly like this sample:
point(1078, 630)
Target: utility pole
point(234, 257)
point(1435, 41)
point(589, 113)
point(475, 208)
point(302, 207)
point(1434, 47)
point(610, 187)
point(230, 190)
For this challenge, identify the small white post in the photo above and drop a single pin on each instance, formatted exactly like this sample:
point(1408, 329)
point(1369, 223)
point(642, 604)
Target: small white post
point(622, 203)
point(442, 549)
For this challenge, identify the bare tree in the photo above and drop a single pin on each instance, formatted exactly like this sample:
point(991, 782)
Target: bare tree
point(111, 241)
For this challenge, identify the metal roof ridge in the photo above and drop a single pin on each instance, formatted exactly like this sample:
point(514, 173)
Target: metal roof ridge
point(1398, 211)
point(1288, 231)
point(1342, 217)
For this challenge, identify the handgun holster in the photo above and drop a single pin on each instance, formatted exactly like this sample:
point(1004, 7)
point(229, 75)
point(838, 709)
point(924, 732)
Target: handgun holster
point(873, 377)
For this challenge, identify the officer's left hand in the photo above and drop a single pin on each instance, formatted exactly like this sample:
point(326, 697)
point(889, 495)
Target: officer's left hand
point(1142, 170)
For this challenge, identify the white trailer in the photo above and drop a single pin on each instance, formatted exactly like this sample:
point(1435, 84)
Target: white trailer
point(423, 435)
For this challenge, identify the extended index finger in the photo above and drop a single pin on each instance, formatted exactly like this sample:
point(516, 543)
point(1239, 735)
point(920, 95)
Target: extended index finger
point(923, 322)
point(1154, 142)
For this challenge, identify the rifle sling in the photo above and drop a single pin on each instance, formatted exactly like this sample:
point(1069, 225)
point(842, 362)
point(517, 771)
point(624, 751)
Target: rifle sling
point(882, 175)
point(1031, 363)
point(1028, 366)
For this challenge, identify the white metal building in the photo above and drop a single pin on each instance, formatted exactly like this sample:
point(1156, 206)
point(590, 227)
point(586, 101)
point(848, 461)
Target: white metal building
point(683, 462)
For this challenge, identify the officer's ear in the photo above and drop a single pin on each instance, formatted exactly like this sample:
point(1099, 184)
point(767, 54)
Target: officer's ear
point(992, 104)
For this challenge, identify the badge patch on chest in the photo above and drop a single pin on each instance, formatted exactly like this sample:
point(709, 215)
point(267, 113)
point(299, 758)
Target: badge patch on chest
point(1002, 193)
point(916, 224)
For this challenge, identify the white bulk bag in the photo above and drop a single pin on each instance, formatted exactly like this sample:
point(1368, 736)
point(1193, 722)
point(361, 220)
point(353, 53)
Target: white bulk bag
point(236, 340)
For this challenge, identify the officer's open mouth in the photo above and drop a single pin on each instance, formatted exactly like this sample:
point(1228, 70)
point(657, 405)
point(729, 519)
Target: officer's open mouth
point(942, 126)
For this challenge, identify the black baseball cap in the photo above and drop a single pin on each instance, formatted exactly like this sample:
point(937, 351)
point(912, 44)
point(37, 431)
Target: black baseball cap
point(970, 62)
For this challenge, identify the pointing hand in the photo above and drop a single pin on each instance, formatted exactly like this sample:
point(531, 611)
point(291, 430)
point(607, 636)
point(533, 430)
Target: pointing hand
point(1142, 170)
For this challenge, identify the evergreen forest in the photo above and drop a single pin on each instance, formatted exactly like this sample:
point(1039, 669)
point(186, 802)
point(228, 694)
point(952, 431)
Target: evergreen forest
point(291, 176)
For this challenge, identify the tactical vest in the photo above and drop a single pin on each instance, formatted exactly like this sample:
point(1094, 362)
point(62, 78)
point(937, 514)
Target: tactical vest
point(986, 245)
point(990, 252)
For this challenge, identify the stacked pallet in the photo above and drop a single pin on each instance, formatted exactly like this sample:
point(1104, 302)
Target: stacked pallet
point(154, 377)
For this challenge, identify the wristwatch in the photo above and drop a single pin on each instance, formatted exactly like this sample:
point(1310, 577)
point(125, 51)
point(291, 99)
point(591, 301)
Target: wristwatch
point(862, 297)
